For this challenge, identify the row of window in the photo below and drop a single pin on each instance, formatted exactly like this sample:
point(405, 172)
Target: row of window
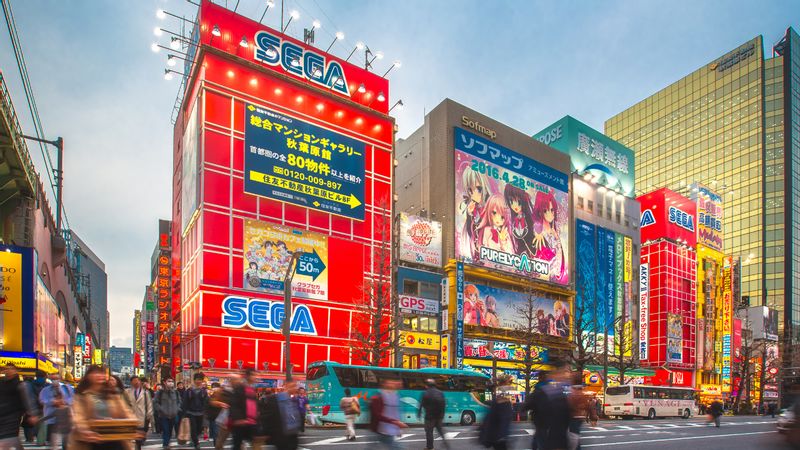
point(589, 206)
point(368, 378)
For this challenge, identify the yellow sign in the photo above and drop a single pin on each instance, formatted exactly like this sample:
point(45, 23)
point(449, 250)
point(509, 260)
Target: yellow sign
point(628, 271)
point(11, 300)
point(445, 358)
point(427, 341)
point(98, 357)
point(28, 363)
point(711, 389)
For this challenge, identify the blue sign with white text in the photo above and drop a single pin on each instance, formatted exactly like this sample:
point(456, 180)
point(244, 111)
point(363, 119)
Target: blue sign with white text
point(293, 161)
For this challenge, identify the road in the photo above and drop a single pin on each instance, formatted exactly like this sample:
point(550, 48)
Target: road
point(736, 433)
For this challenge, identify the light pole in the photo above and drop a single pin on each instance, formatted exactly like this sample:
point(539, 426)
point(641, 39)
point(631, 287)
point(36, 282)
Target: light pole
point(287, 313)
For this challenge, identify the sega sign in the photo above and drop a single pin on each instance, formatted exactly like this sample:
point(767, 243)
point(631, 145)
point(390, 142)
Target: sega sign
point(668, 215)
point(274, 51)
point(417, 305)
point(265, 315)
point(681, 219)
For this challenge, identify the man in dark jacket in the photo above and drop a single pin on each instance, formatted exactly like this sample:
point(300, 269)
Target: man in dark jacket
point(550, 404)
point(282, 418)
point(167, 403)
point(15, 400)
point(433, 403)
point(195, 403)
point(533, 402)
point(716, 411)
point(244, 410)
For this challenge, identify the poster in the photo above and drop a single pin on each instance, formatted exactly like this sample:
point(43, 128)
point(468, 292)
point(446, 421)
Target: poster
point(586, 276)
point(459, 315)
point(293, 161)
point(709, 217)
point(499, 308)
point(268, 251)
point(190, 151)
point(503, 351)
point(605, 279)
point(420, 240)
point(11, 300)
point(674, 338)
point(512, 213)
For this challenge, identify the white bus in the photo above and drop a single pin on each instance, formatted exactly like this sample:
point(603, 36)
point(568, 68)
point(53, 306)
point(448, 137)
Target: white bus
point(649, 401)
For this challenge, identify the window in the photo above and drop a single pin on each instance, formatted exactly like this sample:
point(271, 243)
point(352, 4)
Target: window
point(619, 217)
point(600, 210)
point(317, 372)
point(421, 323)
point(410, 287)
point(618, 390)
point(590, 206)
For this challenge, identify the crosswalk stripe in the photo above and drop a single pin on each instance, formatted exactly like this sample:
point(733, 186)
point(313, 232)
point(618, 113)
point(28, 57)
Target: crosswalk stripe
point(330, 440)
point(599, 428)
point(451, 434)
point(403, 436)
point(624, 427)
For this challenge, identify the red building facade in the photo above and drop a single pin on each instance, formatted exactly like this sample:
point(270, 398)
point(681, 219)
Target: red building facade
point(668, 295)
point(278, 148)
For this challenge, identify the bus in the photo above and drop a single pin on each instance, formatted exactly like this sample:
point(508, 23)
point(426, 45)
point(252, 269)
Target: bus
point(649, 401)
point(466, 393)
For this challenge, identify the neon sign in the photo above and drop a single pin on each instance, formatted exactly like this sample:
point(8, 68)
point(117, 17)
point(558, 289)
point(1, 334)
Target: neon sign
point(273, 51)
point(265, 315)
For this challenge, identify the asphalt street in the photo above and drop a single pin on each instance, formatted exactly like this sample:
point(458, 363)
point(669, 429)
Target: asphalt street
point(736, 433)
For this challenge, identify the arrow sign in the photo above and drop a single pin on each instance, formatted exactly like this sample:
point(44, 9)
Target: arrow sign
point(310, 264)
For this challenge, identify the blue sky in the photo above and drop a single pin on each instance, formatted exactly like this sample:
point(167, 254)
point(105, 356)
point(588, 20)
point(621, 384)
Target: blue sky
point(525, 63)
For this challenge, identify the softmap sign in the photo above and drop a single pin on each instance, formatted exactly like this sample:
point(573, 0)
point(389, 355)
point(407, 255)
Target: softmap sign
point(293, 161)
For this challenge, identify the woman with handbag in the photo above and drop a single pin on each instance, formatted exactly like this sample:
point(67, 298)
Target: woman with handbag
point(94, 399)
point(351, 409)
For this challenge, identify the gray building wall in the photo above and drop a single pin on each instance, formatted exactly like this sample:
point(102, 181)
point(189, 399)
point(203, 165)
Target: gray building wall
point(92, 266)
point(119, 357)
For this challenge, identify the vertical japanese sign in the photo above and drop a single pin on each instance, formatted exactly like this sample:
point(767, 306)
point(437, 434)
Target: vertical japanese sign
point(619, 268)
point(605, 278)
point(164, 298)
point(293, 161)
point(149, 329)
point(459, 315)
point(727, 322)
point(709, 217)
point(586, 276)
point(137, 332)
point(445, 352)
point(77, 363)
point(627, 279)
point(644, 309)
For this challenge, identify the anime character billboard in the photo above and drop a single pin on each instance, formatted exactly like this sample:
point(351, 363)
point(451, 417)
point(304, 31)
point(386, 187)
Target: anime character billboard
point(500, 308)
point(512, 213)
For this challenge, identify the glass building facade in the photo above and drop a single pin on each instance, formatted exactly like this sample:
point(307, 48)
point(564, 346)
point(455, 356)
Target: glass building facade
point(733, 125)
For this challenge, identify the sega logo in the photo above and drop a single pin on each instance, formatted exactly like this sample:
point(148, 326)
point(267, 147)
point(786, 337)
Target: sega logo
point(238, 312)
point(647, 219)
point(681, 219)
point(273, 51)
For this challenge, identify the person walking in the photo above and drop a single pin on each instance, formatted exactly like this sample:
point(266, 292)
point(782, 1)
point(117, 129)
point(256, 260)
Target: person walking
point(351, 409)
point(95, 399)
point(591, 411)
point(38, 431)
point(212, 411)
point(142, 406)
point(281, 421)
point(16, 402)
point(771, 409)
point(716, 412)
point(167, 403)
point(244, 410)
point(496, 426)
point(550, 404)
point(195, 401)
point(222, 399)
point(181, 413)
point(302, 406)
point(56, 400)
point(433, 404)
point(532, 402)
point(384, 409)
point(579, 411)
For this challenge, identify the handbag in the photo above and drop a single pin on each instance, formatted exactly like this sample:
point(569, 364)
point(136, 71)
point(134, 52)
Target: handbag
point(222, 418)
point(183, 431)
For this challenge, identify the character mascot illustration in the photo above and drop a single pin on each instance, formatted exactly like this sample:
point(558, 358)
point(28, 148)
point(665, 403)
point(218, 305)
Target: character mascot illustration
point(546, 240)
point(519, 202)
point(475, 192)
point(493, 229)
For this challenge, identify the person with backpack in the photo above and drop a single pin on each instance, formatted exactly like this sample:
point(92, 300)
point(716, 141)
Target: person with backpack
point(56, 400)
point(433, 404)
point(142, 406)
point(195, 403)
point(281, 419)
point(351, 409)
point(39, 430)
point(384, 409)
point(168, 405)
point(551, 409)
point(16, 401)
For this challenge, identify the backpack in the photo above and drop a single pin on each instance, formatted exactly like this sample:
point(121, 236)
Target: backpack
point(375, 412)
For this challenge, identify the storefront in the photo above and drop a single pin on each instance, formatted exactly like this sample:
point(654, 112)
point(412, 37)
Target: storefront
point(29, 363)
point(419, 305)
point(496, 358)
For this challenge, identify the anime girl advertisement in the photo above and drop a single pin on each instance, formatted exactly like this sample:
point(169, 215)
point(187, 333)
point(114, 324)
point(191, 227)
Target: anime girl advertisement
point(268, 249)
point(498, 308)
point(506, 220)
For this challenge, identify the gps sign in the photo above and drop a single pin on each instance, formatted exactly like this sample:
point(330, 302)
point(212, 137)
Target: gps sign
point(416, 305)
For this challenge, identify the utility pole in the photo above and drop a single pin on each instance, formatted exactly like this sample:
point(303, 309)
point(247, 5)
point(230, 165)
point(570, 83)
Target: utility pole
point(58, 172)
point(287, 312)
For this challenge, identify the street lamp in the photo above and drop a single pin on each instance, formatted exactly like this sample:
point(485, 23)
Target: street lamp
point(287, 312)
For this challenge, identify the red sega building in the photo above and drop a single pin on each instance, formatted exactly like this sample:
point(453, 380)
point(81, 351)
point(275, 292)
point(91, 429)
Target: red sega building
point(278, 148)
point(668, 297)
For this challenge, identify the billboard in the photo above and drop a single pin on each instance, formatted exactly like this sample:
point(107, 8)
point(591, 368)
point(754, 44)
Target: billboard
point(512, 213)
point(592, 152)
point(17, 290)
point(763, 322)
point(503, 351)
point(709, 216)
point(420, 240)
point(499, 308)
point(586, 274)
point(190, 166)
point(268, 252)
point(667, 214)
point(294, 161)
point(419, 306)
point(674, 338)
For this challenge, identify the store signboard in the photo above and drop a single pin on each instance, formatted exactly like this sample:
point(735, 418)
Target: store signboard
point(709, 216)
point(503, 351)
point(512, 212)
point(417, 305)
point(459, 315)
point(445, 352)
point(291, 160)
point(644, 311)
point(426, 341)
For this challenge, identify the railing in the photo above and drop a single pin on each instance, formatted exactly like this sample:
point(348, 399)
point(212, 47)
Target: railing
point(24, 155)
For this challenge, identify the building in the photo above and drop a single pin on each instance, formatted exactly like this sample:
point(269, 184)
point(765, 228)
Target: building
point(502, 198)
point(119, 357)
point(607, 245)
point(733, 125)
point(90, 272)
point(283, 164)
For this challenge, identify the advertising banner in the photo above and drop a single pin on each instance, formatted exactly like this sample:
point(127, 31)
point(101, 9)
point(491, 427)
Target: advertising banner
point(736, 341)
point(420, 240)
point(512, 213)
point(17, 291)
point(424, 341)
point(644, 311)
point(727, 322)
point(290, 160)
point(417, 305)
point(709, 216)
point(190, 167)
point(499, 308)
point(503, 351)
point(268, 252)
point(459, 315)
point(586, 276)
point(605, 278)
point(674, 338)
point(77, 363)
point(619, 268)
point(444, 359)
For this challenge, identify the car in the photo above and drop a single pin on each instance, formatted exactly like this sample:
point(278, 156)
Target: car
point(785, 420)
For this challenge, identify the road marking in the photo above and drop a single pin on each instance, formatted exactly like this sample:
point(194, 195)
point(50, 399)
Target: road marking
point(649, 426)
point(529, 431)
point(625, 427)
point(403, 436)
point(331, 440)
point(599, 428)
point(451, 434)
point(671, 425)
point(686, 438)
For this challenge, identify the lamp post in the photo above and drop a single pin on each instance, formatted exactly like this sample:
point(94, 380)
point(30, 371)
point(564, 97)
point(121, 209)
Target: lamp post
point(287, 312)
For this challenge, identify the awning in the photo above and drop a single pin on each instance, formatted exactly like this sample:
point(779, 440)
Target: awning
point(628, 373)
